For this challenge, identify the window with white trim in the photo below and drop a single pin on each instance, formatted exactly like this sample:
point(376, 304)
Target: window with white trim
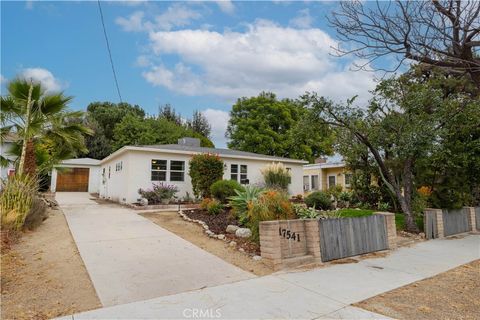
point(159, 170)
point(306, 183)
point(314, 182)
point(239, 173)
point(177, 170)
point(348, 179)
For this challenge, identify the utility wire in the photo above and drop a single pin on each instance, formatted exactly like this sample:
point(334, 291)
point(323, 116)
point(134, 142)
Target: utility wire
point(109, 51)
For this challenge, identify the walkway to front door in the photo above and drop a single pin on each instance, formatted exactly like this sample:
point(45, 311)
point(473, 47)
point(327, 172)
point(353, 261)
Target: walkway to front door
point(130, 258)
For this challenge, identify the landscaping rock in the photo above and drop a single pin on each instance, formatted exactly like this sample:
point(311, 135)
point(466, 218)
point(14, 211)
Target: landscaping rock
point(232, 244)
point(257, 258)
point(243, 233)
point(241, 250)
point(221, 236)
point(231, 228)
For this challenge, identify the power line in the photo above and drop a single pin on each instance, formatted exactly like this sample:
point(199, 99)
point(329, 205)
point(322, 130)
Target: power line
point(109, 51)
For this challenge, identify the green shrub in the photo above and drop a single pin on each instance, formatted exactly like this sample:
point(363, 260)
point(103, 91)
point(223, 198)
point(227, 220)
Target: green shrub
point(214, 207)
point(205, 169)
point(319, 200)
point(242, 200)
point(276, 176)
point(305, 213)
point(16, 200)
point(224, 189)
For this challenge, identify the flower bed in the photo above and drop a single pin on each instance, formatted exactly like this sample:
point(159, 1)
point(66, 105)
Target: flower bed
point(216, 223)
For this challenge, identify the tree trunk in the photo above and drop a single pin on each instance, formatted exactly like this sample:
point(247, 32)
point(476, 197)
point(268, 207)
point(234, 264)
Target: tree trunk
point(26, 133)
point(30, 159)
point(406, 198)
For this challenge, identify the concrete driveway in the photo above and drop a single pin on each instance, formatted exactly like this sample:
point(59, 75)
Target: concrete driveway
point(130, 258)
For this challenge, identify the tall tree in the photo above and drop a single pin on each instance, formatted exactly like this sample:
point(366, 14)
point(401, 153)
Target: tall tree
point(199, 124)
point(40, 119)
point(102, 117)
point(168, 112)
point(401, 125)
point(266, 125)
point(444, 34)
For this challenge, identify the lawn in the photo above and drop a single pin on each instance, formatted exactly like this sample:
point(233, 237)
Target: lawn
point(352, 213)
point(399, 217)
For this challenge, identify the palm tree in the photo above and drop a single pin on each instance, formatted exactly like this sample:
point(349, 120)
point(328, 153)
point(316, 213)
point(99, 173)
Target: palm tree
point(47, 130)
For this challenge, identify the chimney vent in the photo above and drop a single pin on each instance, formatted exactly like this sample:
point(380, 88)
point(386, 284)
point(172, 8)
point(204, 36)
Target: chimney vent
point(191, 142)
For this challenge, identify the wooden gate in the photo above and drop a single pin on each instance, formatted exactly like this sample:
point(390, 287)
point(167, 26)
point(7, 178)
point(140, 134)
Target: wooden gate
point(75, 179)
point(345, 237)
point(455, 221)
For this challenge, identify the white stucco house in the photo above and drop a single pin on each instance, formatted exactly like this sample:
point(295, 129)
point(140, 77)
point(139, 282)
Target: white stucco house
point(132, 167)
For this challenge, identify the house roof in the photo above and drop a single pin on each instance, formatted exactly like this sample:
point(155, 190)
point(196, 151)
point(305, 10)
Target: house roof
point(81, 161)
point(186, 149)
point(324, 165)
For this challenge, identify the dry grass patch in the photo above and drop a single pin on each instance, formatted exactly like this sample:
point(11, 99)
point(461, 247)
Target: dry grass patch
point(454, 294)
point(43, 275)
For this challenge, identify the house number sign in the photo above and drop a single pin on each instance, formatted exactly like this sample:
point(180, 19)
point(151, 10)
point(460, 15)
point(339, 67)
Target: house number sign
point(287, 234)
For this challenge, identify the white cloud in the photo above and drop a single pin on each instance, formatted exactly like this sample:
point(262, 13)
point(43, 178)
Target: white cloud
point(176, 15)
point(218, 119)
point(2, 79)
point(226, 6)
point(303, 20)
point(45, 77)
point(132, 23)
point(266, 56)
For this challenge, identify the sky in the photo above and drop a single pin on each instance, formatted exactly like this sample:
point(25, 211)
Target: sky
point(197, 55)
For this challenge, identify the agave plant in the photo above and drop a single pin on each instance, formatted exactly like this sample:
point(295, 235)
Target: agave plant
point(242, 200)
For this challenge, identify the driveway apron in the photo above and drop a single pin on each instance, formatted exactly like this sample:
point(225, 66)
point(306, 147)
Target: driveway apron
point(129, 258)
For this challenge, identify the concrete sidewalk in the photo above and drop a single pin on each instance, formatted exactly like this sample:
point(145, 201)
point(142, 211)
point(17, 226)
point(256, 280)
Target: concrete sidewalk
point(129, 258)
point(323, 293)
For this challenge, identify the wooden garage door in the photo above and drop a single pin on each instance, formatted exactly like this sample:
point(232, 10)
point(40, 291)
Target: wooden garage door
point(75, 179)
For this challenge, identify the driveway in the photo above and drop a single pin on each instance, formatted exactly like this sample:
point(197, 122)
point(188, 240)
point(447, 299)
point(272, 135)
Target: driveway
point(130, 258)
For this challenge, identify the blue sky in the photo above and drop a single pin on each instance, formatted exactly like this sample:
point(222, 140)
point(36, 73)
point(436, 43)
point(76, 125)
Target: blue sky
point(193, 55)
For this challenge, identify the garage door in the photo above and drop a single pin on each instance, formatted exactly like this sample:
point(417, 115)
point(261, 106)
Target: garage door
point(75, 179)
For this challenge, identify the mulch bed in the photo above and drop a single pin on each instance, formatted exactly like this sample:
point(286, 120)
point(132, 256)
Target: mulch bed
point(216, 223)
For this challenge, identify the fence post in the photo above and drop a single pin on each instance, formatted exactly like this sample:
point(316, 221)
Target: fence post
point(390, 228)
point(312, 234)
point(472, 220)
point(271, 250)
point(438, 213)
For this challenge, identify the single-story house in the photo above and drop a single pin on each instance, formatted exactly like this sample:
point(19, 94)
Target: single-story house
point(322, 175)
point(133, 167)
point(82, 174)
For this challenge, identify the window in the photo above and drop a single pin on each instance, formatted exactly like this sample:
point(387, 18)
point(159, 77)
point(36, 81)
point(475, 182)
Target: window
point(234, 172)
point(243, 174)
point(177, 170)
point(306, 184)
point(332, 181)
point(315, 182)
point(109, 171)
point(348, 179)
point(159, 170)
point(119, 166)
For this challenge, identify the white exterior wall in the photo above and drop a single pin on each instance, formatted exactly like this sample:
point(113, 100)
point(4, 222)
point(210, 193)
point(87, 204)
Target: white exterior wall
point(123, 186)
point(93, 177)
point(115, 186)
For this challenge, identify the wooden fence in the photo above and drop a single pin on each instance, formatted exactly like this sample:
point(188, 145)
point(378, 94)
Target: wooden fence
point(346, 237)
point(289, 243)
point(440, 223)
point(455, 221)
point(477, 217)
